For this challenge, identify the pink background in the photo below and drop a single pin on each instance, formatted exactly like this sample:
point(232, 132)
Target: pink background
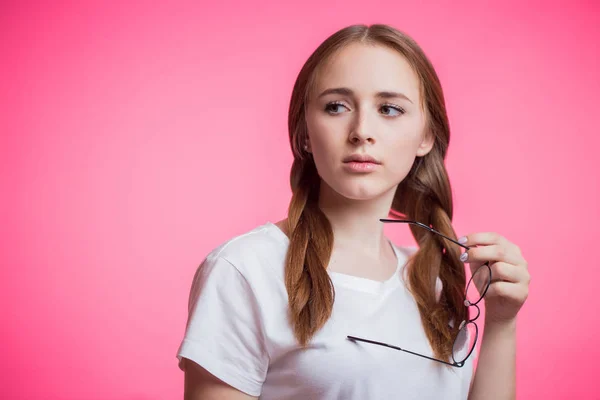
point(136, 138)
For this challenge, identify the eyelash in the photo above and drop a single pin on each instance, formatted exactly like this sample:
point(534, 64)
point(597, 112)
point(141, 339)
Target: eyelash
point(339, 103)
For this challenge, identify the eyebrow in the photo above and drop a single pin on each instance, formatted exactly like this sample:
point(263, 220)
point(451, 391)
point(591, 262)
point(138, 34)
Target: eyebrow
point(348, 92)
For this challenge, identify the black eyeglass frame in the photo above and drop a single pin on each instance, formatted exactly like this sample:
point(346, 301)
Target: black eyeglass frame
point(467, 303)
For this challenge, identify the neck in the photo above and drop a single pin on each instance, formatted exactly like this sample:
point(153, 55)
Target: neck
point(356, 223)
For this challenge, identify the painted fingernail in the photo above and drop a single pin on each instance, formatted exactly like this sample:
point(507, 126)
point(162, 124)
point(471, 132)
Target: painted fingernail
point(462, 240)
point(464, 256)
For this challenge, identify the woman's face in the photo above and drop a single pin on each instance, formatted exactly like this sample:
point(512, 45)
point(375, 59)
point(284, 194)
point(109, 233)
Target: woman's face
point(366, 103)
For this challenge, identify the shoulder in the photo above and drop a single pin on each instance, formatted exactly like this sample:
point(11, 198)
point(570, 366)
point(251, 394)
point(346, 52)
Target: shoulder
point(405, 251)
point(408, 252)
point(252, 251)
point(404, 254)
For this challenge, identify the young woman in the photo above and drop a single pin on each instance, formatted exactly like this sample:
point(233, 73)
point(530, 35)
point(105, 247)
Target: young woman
point(322, 305)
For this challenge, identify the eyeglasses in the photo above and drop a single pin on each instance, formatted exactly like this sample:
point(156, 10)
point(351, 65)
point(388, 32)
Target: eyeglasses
point(466, 339)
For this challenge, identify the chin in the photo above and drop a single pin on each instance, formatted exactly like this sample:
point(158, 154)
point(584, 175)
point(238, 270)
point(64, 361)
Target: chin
point(363, 195)
point(363, 189)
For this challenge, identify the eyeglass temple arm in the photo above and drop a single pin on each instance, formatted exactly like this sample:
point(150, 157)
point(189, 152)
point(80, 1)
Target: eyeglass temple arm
point(406, 221)
point(354, 338)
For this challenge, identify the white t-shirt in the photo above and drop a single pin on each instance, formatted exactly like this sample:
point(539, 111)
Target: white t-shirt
point(238, 330)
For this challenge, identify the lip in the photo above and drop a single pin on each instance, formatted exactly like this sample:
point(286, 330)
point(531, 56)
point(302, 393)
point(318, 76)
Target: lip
point(360, 167)
point(360, 163)
point(361, 158)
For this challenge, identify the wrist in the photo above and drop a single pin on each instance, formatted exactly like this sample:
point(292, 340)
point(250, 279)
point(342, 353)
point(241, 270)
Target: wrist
point(507, 326)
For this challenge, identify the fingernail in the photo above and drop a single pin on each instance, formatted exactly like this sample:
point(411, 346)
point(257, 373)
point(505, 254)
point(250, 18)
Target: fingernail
point(464, 256)
point(462, 240)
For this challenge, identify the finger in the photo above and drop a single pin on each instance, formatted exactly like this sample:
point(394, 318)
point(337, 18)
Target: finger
point(492, 238)
point(506, 272)
point(510, 291)
point(492, 253)
point(483, 239)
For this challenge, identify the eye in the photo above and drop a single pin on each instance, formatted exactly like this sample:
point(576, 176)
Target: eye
point(392, 110)
point(334, 107)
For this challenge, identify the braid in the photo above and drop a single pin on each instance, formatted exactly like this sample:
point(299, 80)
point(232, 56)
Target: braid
point(309, 287)
point(425, 196)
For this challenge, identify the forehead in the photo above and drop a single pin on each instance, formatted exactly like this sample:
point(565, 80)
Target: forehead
point(368, 69)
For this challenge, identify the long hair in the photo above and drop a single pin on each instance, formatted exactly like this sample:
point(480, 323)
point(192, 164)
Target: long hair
point(424, 195)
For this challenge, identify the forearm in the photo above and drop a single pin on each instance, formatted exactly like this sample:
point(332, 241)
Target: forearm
point(496, 368)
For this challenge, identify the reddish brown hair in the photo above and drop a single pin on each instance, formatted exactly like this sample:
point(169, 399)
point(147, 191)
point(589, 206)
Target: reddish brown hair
point(424, 195)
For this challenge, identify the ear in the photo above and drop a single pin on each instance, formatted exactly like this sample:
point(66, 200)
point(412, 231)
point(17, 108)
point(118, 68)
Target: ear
point(426, 145)
point(307, 147)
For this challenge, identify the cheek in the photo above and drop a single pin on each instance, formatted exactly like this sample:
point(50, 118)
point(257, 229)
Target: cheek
point(401, 167)
point(325, 135)
point(400, 157)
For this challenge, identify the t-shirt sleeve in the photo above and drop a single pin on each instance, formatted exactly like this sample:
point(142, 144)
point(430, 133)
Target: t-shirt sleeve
point(224, 332)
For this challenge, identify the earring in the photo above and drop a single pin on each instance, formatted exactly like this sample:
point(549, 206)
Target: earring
point(305, 147)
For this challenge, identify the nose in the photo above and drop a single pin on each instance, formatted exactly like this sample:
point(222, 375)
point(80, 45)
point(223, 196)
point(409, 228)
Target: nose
point(361, 130)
